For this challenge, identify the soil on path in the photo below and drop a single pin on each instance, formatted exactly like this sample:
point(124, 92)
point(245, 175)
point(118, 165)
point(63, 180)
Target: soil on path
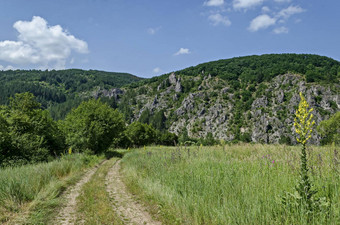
point(125, 206)
point(67, 214)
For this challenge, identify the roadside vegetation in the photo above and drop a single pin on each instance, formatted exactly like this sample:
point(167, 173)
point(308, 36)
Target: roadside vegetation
point(237, 184)
point(31, 193)
point(28, 134)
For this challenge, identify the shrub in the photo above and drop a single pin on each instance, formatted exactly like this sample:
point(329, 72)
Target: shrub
point(330, 129)
point(140, 134)
point(94, 126)
point(166, 138)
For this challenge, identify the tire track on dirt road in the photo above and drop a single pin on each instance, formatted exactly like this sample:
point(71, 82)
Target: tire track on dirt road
point(125, 206)
point(67, 215)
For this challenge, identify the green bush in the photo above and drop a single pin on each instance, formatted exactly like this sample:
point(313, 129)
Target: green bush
point(94, 126)
point(140, 134)
point(28, 133)
point(166, 138)
point(330, 130)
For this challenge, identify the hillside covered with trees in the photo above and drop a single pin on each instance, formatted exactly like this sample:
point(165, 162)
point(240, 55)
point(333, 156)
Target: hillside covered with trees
point(60, 90)
point(251, 98)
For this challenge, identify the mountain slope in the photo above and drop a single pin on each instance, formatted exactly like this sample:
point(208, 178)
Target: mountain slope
point(250, 98)
point(59, 90)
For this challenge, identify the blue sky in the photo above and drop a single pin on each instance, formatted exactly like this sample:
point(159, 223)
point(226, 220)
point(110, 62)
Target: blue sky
point(150, 37)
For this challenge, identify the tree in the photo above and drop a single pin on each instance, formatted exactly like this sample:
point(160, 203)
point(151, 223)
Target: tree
point(184, 137)
point(145, 116)
point(93, 126)
point(32, 133)
point(158, 120)
point(141, 134)
point(4, 139)
point(330, 129)
point(166, 138)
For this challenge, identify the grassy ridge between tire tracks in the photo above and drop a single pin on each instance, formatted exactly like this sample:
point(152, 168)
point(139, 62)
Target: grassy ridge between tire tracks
point(93, 203)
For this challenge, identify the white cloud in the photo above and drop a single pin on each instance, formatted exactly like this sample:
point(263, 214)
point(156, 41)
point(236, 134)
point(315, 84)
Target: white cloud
point(265, 9)
point(245, 4)
point(214, 3)
point(6, 67)
point(281, 30)
point(217, 19)
point(153, 31)
point(261, 22)
point(42, 45)
point(157, 70)
point(182, 51)
point(264, 21)
point(291, 10)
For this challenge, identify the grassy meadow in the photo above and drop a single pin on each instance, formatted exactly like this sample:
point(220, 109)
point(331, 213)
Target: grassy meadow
point(29, 194)
point(237, 184)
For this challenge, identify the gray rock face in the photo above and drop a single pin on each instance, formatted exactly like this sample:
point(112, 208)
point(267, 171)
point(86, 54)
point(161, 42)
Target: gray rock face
point(280, 96)
point(259, 102)
point(115, 92)
point(178, 87)
point(172, 79)
point(213, 108)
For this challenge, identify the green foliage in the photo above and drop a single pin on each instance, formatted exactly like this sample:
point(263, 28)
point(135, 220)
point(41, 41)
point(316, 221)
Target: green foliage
point(208, 140)
point(93, 126)
point(184, 137)
point(145, 116)
point(330, 130)
point(166, 138)
point(140, 134)
point(285, 140)
point(158, 120)
point(256, 69)
point(245, 137)
point(29, 133)
point(59, 89)
point(5, 144)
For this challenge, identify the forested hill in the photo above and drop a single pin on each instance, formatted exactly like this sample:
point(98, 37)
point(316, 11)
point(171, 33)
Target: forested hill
point(251, 98)
point(59, 90)
point(259, 68)
point(256, 68)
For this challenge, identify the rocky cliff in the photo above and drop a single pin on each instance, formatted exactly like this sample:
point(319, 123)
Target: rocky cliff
point(235, 108)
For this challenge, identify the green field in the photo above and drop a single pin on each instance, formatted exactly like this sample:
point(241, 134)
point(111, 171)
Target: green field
point(238, 184)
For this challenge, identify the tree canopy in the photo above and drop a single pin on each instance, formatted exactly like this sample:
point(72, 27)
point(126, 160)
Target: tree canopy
point(330, 129)
point(93, 126)
point(27, 132)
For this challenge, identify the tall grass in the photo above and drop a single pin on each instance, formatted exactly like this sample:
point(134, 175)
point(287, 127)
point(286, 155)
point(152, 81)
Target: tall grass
point(240, 184)
point(21, 186)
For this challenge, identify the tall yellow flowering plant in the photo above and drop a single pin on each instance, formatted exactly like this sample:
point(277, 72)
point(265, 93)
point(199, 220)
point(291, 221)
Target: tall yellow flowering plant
point(305, 198)
point(303, 121)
